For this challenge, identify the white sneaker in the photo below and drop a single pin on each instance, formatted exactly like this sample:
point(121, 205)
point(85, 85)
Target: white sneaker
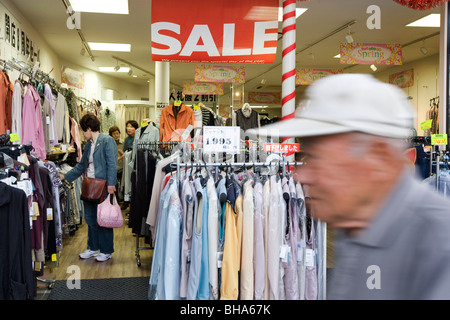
point(103, 257)
point(88, 254)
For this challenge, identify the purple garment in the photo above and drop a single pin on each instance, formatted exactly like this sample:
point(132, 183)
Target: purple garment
point(32, 127)
point(291, 274)
point(259, 263)
point(49, 95)
point(311, 273)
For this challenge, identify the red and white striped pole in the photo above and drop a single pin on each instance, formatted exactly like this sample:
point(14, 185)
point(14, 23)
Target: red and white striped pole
point(288, 66)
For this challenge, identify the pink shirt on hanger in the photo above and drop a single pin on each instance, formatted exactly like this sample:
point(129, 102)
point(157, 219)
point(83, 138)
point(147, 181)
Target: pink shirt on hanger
point(32, 127)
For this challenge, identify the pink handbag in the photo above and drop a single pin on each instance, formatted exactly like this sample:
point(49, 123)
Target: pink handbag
point(109, 214)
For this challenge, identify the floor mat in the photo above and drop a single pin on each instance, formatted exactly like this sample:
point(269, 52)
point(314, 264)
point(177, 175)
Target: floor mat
point(101, 289)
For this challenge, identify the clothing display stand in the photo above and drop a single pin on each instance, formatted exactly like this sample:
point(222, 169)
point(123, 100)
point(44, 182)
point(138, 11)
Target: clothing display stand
point(163, 149)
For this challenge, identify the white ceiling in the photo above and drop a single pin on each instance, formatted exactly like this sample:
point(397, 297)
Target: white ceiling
point(319, 21)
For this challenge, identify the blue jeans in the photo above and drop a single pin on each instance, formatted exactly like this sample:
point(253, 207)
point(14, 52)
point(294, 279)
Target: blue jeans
point(99, 238)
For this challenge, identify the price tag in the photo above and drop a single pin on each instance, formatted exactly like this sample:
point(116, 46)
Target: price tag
point(426, 124)
point(285, 250)
point(221, 139)
point(196, 107)
point(49, 213)
point(14, 137)
point(309, 258)
point(439, 139)
point(144, 124)
point(54, 257)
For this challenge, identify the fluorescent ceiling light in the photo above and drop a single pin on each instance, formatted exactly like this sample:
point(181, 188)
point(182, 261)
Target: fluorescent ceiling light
point(122, 47)
point(298, 13)
point(100, 6)
point(111, 69)
point(338, 56)
point(431, 20)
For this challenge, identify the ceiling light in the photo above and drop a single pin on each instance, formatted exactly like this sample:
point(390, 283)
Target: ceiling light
point(338, 56)
point(98, 46)
point(263, 81)
point(373, 67)
point(298, 13)
point(134, 76)
point(100, 6)
point(349, 37)
point(113, 69)
point(431, 20)
point(424, 50)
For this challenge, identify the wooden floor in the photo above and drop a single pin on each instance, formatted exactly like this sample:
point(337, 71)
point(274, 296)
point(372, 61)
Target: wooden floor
point(123, 263)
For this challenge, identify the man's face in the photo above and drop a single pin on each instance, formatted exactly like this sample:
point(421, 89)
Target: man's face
point(335, 177)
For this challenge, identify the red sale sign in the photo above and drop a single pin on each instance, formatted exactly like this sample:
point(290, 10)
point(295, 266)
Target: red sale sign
point(282, 147)
point(220, 31)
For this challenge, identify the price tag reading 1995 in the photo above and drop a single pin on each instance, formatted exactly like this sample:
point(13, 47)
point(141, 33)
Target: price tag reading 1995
point(221, 139)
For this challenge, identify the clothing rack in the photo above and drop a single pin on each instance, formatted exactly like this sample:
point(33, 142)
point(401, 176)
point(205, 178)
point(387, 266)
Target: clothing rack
point(33, 74)
point(279, 164)
point(152, 146)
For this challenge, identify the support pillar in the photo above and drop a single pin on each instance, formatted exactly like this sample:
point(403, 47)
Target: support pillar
point(162, 87)
point(288, 66)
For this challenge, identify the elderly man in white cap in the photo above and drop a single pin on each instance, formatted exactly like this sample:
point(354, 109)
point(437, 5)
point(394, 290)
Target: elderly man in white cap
point(394, 231)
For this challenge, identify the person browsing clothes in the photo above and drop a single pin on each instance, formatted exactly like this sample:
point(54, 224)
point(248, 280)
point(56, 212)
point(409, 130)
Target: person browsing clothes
point(99, 160)
point(392, 230)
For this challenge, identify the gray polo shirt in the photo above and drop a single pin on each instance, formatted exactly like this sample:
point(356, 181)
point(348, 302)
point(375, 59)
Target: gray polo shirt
point(403, 254)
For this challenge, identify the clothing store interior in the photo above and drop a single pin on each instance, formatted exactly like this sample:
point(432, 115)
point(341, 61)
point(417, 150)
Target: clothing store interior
point(192, 186)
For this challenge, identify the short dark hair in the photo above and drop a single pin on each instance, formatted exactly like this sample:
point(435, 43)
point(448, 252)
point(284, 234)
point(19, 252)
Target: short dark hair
point(133, 123)
point(113, 129)
point(90, 121)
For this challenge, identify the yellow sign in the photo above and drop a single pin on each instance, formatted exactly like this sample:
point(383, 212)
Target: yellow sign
point(14, 137)
point(426, 124)
point(438, 139)
point(144, 124)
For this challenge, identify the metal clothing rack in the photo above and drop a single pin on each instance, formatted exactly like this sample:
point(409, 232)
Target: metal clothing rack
point(162, 148)
point(282, 164)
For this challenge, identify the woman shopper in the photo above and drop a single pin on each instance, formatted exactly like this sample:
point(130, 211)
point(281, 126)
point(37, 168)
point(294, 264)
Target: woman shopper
point(99, 160)
point(131, 127)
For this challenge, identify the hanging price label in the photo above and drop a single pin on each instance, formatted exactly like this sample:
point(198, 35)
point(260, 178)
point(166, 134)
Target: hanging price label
point(439, 139)
point(282, 147)
point(14, 137)
point(221, 139)
point(426, 124)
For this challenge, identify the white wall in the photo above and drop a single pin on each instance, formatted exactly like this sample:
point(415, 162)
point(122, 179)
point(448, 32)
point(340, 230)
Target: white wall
point(426, 84)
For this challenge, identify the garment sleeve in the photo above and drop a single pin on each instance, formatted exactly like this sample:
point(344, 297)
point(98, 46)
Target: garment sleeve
point(80, 167)
point(111, 156)
point(161, 125)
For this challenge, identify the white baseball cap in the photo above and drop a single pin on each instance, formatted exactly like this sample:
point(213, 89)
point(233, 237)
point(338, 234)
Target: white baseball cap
point(348, 102)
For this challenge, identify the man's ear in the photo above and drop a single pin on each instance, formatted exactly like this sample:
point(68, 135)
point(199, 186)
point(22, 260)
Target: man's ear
point(382, 160)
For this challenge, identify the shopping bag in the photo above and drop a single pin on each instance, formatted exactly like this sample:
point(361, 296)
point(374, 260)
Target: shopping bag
point(109, 214)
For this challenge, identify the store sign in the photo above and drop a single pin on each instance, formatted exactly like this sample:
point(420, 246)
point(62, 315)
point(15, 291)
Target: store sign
point(212, 73)
point(202, 88)
point(18, 39)
point(221, 139)
point(282, 147)
point(221, 31)
point(439, 139)
point(371, 53)
point(193, 98)
point(306, 76)
point(264, 98)
point(72, 77)
point(402, 79)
